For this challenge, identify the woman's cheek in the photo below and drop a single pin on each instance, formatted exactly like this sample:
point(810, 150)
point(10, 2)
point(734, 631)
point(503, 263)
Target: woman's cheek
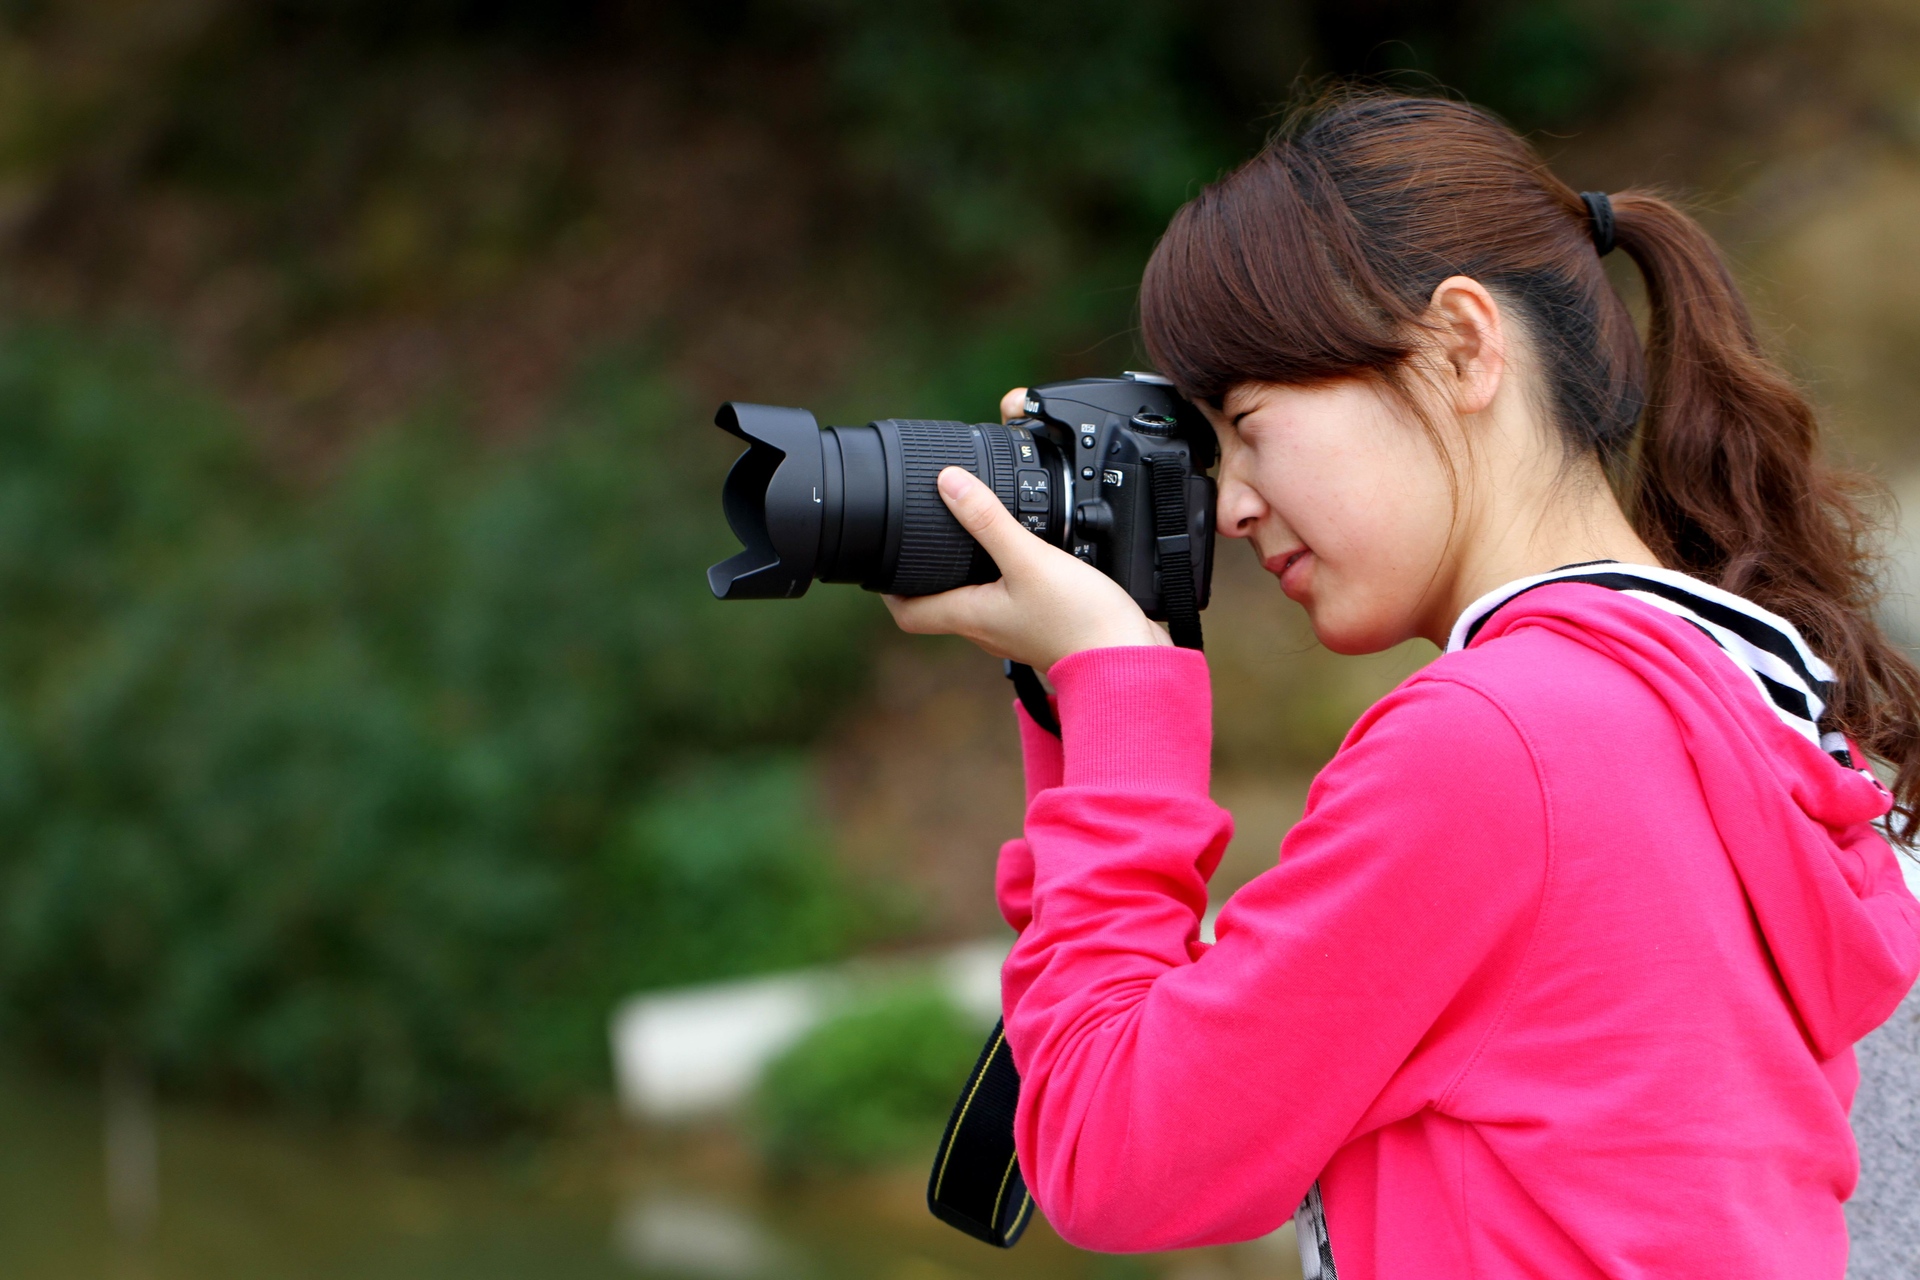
point(1362, 599)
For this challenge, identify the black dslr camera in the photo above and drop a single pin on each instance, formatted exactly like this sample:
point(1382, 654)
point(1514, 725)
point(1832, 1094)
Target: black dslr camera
point(1111, 469)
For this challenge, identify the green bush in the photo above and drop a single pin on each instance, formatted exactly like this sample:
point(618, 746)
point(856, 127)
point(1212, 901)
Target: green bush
point(376, 796)
point(874, 1084)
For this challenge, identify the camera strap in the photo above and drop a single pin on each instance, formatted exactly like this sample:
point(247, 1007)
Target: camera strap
point(1174, 541)
point(976, 1185)
point(1032, 695)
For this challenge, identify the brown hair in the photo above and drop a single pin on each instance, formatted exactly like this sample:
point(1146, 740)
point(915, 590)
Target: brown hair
point(1317, 259)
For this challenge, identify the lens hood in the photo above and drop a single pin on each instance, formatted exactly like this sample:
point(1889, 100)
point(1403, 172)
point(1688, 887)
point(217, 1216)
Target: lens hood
point(773, 503)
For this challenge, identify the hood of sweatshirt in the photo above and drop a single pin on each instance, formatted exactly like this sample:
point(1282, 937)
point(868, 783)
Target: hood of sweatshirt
point(1826, 889)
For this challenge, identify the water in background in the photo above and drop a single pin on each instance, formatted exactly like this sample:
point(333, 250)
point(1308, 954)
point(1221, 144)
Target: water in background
point(266, 1198)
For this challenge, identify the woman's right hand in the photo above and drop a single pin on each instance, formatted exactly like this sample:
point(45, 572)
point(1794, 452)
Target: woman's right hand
point(1045, 605)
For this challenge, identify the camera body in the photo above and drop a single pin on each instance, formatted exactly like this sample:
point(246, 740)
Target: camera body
point(1109, 436)
point(1112, 470)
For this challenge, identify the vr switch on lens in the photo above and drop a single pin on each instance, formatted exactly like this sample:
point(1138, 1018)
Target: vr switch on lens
point(1111, 469)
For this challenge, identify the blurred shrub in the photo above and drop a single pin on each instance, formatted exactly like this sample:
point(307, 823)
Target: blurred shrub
point(375, 797)
point(730, 863)
point(874, 1084)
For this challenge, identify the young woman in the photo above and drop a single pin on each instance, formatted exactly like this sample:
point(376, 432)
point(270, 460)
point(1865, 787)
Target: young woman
point(1560, 972)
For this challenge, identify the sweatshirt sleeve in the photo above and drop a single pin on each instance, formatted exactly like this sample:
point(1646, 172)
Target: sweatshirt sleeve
point(1013, 875)
point(1174, 1095)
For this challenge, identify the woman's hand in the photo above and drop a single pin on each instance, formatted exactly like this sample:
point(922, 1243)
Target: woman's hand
point(1046, 604)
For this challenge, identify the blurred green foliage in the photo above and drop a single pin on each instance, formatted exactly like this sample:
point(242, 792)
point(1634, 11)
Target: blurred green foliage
point(1028, 134)
point(378, 796)
point(1543, 63)
point(873, 1084)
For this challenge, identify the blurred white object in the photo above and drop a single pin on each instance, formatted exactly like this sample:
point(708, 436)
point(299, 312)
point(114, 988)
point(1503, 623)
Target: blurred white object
point(700, 1049)
point(697, 1050)
point(694, 1236)
point(970, 975)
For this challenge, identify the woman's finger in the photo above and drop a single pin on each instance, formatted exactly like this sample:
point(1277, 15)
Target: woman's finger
point(1013, 404)
point(972, 611)
point(912, 614)
point(980, 513)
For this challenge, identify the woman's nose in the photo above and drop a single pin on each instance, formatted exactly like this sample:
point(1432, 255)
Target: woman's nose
point(1238, 508)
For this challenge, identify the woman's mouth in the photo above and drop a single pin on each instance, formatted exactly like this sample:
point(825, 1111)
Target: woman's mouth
point(1291, 569)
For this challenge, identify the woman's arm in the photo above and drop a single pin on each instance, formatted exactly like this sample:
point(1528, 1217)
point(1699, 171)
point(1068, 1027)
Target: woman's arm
point(1013, 876)
point(1173, 1095)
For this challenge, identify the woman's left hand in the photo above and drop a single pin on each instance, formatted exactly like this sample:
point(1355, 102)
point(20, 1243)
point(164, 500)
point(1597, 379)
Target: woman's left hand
point(1046, 605)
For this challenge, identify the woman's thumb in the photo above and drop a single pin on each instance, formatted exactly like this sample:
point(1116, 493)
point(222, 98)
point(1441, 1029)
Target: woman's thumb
point(979, 512)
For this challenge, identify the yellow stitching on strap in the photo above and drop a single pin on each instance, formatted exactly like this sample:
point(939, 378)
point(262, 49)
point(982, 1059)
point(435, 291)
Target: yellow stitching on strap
point(1012, 1164)
point(961, 1119)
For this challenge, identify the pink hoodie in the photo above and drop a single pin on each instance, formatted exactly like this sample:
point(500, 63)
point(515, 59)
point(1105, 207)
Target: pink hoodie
point(1559, 975)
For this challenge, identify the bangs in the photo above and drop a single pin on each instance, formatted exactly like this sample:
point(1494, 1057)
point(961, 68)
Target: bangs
point(1262, 278)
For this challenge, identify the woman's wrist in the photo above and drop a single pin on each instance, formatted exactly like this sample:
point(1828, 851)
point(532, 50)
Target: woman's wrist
point(1121, 633)
point(1136, 718)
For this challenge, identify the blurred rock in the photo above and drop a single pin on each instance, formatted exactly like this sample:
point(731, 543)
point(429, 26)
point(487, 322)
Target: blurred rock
point(694, 1051)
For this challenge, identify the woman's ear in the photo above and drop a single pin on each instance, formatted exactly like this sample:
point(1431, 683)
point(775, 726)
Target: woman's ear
point(1472, 342)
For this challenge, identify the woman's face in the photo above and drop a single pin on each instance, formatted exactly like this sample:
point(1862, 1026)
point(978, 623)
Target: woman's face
point(1345, 499)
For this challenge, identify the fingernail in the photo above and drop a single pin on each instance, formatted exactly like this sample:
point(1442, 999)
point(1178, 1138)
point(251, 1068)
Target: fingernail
point(953, 481)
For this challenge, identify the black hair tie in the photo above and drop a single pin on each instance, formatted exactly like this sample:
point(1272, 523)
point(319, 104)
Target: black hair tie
point(1599, 220)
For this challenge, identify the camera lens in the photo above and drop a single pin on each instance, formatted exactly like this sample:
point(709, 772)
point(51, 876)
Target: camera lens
point(861, 504)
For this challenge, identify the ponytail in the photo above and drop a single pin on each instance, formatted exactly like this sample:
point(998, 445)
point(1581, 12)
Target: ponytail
point(1727, 484)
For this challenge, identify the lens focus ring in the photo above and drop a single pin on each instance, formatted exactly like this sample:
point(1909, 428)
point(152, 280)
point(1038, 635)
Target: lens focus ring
point(1000, 450)
point(935, 551)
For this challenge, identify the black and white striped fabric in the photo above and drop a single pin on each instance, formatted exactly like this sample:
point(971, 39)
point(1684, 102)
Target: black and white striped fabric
point(1766, 647)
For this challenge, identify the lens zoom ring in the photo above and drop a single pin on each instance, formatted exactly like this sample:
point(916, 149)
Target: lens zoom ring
point(934, 550)
point(1000, 449)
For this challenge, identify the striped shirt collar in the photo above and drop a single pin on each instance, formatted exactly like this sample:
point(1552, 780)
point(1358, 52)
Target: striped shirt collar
point(1766, 648)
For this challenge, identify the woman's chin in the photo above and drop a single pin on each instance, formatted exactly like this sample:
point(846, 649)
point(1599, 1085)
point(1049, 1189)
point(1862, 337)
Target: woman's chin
point(1348, 636)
